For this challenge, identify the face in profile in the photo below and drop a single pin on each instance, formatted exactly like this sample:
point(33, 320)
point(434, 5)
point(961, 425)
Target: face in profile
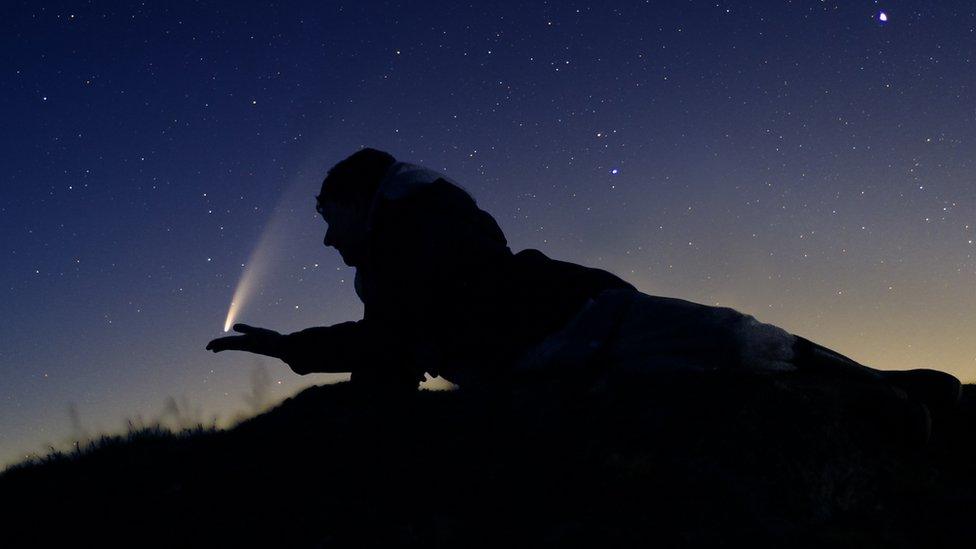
point(347, 229)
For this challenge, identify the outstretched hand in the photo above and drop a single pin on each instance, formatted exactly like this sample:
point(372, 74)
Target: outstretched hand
point(255, 340)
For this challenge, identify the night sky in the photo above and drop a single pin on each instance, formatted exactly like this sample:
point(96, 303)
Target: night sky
point(807, 162)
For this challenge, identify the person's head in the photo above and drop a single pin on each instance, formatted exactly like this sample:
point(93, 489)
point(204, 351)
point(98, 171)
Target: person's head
point(345, 198)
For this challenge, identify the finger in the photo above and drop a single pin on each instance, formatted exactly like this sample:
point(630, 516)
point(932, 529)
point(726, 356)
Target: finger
point(246, 329)
point(215, 346)
point(235, 343)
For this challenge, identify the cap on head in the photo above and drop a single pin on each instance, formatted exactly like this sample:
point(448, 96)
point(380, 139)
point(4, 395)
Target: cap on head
point(357, 177)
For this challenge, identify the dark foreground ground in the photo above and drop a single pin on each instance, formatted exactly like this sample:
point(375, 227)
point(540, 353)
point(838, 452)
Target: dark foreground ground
point(688, 461)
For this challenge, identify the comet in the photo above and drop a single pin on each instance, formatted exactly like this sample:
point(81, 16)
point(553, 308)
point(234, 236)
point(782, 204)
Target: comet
point(254, 270)
point(286, 225)
point(282, 227)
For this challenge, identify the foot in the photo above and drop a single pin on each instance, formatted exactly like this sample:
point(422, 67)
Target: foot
point(937, 390)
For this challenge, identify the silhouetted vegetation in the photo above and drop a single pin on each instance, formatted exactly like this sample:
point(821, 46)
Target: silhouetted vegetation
point(691, 460)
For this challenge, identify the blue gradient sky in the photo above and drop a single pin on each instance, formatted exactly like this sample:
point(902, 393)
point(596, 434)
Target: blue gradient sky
point(801, 161)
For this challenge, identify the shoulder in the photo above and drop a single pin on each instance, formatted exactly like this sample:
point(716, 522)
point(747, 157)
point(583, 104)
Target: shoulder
point(404, 181)
point(438, 220)
point(439, 191)
point(438, 205)
point(438, 195)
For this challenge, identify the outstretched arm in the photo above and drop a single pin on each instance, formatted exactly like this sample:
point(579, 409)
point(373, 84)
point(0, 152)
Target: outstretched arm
point(343, 347)
point(337, 348)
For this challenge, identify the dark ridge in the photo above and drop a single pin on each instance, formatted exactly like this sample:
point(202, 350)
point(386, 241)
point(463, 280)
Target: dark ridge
point(686, 460)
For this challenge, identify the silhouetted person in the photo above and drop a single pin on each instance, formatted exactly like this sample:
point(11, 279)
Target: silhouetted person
point(444, 294)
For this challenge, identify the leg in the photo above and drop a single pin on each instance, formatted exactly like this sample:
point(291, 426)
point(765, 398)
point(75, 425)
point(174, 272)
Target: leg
point(937, 390)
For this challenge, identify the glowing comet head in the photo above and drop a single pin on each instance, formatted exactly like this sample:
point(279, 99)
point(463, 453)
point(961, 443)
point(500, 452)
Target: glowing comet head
point(241, 294)
point(231, 313)
point(260, 259)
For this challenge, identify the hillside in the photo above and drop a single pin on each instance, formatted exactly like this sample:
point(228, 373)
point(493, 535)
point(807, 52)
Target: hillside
point(688, 460)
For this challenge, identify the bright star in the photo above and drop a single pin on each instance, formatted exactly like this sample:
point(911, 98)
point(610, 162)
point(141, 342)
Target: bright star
point(883, 17)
